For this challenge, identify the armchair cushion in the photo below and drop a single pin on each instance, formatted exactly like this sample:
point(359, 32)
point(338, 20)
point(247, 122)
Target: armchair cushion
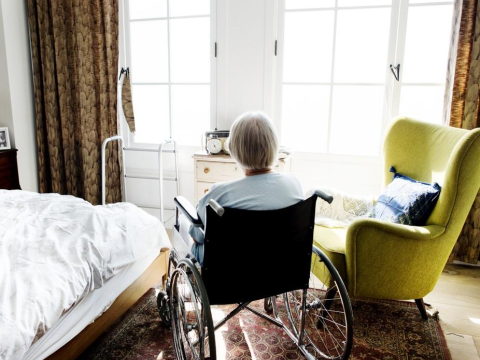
point(406, 201)
point(332, 241)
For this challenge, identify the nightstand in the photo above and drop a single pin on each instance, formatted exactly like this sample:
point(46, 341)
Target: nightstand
point(9, 170)
point(210, 169)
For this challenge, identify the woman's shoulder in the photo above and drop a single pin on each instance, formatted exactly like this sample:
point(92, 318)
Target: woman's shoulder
point(287, 177)
point(246, 182)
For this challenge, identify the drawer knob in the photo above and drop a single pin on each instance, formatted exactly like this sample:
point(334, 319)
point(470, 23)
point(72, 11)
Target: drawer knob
point(206, 170)
point(205, 191)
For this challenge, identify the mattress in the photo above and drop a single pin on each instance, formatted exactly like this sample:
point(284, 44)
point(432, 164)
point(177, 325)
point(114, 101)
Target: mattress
point(87, 310)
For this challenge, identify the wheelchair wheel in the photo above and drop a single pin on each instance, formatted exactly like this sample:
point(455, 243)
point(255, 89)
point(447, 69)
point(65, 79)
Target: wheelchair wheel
point(163, 309)
point(192, 325)
point(328, 316)
point(268, 304)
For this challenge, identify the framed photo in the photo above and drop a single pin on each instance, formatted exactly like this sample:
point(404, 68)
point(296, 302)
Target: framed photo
point(4, 139)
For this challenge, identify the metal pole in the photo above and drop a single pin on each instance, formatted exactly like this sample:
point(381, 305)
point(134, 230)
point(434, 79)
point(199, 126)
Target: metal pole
point(104, 179)
point(176, 166)
point(160, 176)
point(301, 332)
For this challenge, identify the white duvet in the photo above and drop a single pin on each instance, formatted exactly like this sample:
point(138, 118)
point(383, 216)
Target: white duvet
point(54, 250)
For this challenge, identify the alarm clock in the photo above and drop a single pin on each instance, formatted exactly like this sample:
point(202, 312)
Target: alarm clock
point(214, 145)
point(215, 142)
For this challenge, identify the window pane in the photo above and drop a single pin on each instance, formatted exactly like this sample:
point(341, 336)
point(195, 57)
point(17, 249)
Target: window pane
point(189, 7)
point(308, 4)
point(427, 44)
point(308, 46)
point(422, 103)
point(345, 3)
point(429, 1)
point(305, 117)
point(357, 114)
point(362, 45)
point(149, 51)
point(150, 105)
point(190, 50)
point(147, 9)
point(190, 113)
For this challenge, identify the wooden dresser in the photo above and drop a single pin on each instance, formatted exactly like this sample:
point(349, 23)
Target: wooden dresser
point(9, 170)
point(210, 169)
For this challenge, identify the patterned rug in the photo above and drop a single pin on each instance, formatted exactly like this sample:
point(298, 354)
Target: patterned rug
point(387, 330)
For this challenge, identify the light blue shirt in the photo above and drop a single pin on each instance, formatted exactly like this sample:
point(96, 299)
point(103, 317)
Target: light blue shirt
point(268, 191)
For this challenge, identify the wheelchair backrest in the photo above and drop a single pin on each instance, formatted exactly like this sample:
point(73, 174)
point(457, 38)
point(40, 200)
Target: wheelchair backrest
point(251, 255)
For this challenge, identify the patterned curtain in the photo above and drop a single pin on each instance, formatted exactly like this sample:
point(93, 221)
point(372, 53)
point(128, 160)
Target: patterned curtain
point(127, 103)
point(75, 70)
point(463, 109)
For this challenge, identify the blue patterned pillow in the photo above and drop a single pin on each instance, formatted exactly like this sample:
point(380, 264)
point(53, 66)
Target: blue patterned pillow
point(406, 201)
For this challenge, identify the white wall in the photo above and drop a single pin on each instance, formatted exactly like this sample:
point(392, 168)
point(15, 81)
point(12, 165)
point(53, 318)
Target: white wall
point(6, 119)
point(16, 89)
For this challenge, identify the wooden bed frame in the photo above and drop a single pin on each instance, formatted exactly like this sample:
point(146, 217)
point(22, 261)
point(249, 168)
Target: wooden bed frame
point(155, 272)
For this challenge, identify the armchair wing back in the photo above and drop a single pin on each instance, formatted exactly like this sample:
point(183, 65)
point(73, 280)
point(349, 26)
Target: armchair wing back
point(434, 153)
point(378, 259)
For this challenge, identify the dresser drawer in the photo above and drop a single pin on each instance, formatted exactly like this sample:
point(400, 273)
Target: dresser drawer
point(218, 171)
point(8, 172)
point(9, 184)
point(279, 166)
point(8, 159)
point(203, 188)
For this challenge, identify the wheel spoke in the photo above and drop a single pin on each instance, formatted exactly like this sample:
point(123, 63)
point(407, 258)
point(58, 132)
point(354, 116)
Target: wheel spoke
point(192, 326)
point(328, 317)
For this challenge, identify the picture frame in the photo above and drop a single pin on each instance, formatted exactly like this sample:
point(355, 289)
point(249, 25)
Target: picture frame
point(4, 139)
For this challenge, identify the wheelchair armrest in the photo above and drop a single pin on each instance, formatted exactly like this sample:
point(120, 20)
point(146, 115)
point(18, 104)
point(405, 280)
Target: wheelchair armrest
point(189, 211)
point(324, 196)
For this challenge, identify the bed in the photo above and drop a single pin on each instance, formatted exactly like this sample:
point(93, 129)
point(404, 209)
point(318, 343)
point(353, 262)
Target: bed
point(68, 270)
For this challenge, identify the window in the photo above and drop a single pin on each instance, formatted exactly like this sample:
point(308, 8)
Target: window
point(169, 47)
point(336, 89)
point(425, 56)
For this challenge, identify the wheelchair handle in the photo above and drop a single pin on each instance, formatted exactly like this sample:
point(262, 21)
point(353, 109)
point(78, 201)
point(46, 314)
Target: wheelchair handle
point(324, 196)
point(216, 207)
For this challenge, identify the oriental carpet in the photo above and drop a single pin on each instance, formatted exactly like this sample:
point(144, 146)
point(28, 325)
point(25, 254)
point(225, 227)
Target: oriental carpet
point(383, 329)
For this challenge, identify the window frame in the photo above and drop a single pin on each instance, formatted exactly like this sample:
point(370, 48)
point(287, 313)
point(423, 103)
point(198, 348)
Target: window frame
point(125, 61)
point(404, 6)
point(392, 88)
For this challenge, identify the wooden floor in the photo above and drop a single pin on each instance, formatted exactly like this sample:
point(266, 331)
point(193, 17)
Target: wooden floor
point(457, 298)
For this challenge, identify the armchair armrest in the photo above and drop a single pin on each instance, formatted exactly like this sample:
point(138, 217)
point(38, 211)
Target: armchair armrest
point(189, 211)
point(411, 232)
point(394, 261)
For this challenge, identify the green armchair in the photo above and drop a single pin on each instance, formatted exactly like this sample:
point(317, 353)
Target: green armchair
point(382, 260)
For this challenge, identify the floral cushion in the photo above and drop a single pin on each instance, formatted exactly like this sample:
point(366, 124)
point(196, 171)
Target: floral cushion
point(406, 201)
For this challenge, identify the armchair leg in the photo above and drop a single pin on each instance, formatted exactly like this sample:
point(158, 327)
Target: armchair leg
point(329, 297)
point(421, 307)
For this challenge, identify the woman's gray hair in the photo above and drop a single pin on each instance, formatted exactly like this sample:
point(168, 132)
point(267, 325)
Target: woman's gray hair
point(253, 141)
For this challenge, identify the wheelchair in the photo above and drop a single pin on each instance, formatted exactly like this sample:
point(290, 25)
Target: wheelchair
point(253, 255)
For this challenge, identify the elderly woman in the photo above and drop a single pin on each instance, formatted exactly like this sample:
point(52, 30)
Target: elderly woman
point(253, 143)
